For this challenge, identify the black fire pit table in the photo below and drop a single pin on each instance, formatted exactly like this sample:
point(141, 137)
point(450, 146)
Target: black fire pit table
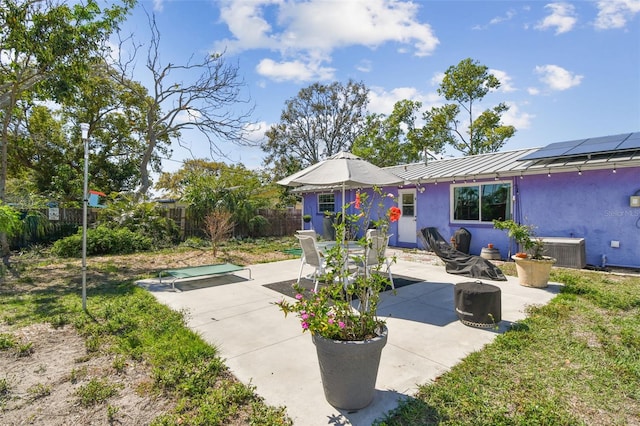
point(478, 304)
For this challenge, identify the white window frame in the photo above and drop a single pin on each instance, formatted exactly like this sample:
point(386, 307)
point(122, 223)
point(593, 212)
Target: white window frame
point(322, 210)
point(479, 185)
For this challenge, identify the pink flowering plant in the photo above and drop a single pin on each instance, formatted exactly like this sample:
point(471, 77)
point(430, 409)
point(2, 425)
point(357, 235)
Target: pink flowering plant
point(345, 307)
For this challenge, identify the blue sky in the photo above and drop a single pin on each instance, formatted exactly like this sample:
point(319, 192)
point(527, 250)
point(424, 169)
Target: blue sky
point(569, 70)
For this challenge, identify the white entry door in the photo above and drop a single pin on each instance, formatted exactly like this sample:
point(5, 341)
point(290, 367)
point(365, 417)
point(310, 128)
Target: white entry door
point(407, 222)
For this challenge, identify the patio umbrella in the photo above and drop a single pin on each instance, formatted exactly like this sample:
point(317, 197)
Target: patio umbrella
point(343, 170)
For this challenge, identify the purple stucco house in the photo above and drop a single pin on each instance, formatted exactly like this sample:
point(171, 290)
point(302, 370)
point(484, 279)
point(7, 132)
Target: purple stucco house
point(583, 195)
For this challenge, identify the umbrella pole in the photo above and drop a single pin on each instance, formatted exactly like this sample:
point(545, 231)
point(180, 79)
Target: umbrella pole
point(345, 265)
point(344, 211)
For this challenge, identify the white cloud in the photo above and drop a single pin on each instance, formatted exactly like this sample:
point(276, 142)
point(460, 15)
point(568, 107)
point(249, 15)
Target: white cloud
point(188, 116)
point(509, 15)
point(437, 78)
point(113, 52)
point(382, 101)
point(534, 91)
point(318, 25)
point(298, 71)
point(562, 18)
point(311, 30)
point(505, 81)
point(557, 78)
point(516, 118)
point(615, 13)
point(364, 66)
point(158, 5)
point(255, 131)
point(246, 22)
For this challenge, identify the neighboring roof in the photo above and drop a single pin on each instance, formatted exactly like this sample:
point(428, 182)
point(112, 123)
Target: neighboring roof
point(621, 153)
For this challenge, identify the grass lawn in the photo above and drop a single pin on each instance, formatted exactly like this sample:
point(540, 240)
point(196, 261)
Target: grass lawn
point(574, 361)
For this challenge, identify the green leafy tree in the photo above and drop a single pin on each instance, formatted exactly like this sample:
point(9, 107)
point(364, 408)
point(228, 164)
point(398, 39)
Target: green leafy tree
point(116, 120)
point(52, 159)
point(10, 223)
point(394, 139)
point(208, 186)
point(45, 47)
point(467, 84)
point(145, 219)
point(320, 121)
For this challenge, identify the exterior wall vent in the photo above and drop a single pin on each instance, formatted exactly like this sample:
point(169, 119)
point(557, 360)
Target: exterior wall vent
point(570, 252)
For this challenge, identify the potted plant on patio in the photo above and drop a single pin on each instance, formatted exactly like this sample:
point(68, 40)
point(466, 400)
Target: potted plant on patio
point(532, 266)
point(342, 315)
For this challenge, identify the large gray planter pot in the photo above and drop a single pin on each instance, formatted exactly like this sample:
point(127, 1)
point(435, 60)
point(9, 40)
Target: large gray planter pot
point(349, 369)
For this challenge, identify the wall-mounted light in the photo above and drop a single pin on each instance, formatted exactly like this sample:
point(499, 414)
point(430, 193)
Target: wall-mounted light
point(579, 171)
point(497, 176)
point(548, 172)
point(474, 178)
point(614, 167)
point(454, 180)
point(521, 176)
point(436, 182)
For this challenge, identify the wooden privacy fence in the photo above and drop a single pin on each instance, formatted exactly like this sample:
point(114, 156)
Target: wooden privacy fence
point(64, 222)
point(282, 222)
point(279, 223)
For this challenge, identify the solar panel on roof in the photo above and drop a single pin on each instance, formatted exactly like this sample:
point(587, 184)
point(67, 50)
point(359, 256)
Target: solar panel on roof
point(552, 150)
point(632, 142)
point(582, 147)
point(596, 146)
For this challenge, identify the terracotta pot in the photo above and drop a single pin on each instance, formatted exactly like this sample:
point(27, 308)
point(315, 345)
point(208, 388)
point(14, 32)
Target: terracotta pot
point(521, 255)
point(490, 245)
point(534, 272)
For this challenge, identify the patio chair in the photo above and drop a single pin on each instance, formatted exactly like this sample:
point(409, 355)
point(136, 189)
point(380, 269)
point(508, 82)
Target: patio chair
point(309, 232)
point(311, 256)
point(375, 254)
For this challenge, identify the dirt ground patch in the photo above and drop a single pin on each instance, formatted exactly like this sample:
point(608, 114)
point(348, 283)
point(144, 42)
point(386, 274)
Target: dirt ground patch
point(45, 373)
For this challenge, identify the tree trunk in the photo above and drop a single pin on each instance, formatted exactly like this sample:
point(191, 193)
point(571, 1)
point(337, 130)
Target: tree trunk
point(5, 249)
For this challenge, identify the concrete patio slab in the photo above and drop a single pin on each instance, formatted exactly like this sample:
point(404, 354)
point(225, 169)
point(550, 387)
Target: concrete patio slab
point(266, 350)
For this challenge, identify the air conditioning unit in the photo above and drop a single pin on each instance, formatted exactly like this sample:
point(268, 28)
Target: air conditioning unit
point(570, 252)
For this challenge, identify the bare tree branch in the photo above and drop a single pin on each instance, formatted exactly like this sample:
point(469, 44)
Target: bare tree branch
point(207, 104)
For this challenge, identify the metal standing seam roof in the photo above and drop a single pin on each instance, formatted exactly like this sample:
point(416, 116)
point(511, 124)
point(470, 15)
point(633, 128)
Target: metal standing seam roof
point(471, 167)
point(515, 163)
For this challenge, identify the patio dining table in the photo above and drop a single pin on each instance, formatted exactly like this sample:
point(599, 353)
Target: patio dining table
point(352, 246)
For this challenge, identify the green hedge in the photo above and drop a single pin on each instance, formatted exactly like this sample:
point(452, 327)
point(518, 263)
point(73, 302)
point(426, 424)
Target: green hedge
point(102, 240)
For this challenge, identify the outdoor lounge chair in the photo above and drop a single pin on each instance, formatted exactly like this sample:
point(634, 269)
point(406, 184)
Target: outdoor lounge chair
point(459, 263)
point(203, 271)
